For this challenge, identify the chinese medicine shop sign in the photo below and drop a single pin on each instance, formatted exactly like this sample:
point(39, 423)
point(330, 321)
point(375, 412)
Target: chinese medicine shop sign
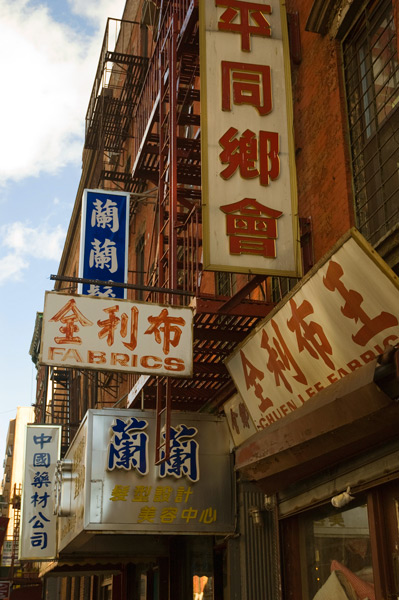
point(343, 315)
point(104, 241)
point(38, 522)
point(102, 333)
point(248, 165)
point(116, 487)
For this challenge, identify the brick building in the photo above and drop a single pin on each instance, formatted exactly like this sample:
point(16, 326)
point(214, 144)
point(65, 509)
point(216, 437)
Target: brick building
point(329, 164)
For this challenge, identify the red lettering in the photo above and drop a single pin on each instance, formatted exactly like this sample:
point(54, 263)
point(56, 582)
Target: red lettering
point(118, 358)
point(318, 386)
point(145, 361)
point(252, 377)
point(96, 357)
point(367, 356)
point(354, 364)
point(174, 364)
point(72, 354)
point(342, 373)
point(310, 392)
point(332, 378)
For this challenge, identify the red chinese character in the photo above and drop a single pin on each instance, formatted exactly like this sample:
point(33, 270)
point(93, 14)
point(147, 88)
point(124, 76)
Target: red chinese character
point(242, 153)
point(252, 20)
point(248, 84)
point(69, 315)
point(252, 377)
point(310, 336)
point(253, 229)
point(167, 325)
point(110, 325)
point(234, 423)
point(244, 415)
point(352, 307)
point(280, 358)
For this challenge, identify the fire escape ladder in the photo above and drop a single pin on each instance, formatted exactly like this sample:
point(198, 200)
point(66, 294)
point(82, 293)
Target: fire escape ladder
point(168, 218)
point(60, 403)
point(117, 86)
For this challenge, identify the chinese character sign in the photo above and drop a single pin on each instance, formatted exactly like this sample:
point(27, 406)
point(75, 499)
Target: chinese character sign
point(116, 335)
point(123, 490)
point(341, 318)
point(248, 159)
point(104, 242)
point(38, 522)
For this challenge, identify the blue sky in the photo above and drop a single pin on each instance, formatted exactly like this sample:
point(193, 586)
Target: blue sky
point(49, 52)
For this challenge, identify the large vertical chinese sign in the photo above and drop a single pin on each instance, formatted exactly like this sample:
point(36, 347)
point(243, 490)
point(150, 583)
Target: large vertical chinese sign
point(248, 162)
point(104, 242)
point(342, 316)
point(38, 523)
point(106, 334)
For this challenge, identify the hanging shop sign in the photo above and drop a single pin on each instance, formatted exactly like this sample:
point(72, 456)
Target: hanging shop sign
point(249, 195)
point(102, 333)
point(104, 242)
point(109, 481)
point(341, 316)
point(38, 523)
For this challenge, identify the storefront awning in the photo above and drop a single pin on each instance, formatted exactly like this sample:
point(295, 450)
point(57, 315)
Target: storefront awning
point(356, 413)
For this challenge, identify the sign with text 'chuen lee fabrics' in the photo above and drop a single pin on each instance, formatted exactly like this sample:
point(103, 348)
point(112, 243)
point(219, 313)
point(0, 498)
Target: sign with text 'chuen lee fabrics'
point(249, 197)
point(116, 335)
point(341, 316)
point(104, 242)
point(38, 540)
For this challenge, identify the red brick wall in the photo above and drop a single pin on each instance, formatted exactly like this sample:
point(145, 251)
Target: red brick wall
point(321, 138)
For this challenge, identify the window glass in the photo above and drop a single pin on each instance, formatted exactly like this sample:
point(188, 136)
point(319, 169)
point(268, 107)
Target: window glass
point(372, 88)
point(336, 554)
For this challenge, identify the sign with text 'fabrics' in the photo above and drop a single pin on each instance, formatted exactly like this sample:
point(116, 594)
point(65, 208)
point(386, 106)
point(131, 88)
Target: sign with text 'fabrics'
point(249, 196)
point(341, 316)
point(104, 242)
point(115, 486)
point(38, 523)
point(116, 335)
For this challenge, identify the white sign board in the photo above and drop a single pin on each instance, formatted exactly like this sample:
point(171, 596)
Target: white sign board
point(38, 539)
point(340, 317)
point(116, 335)
point(113, 485)
point(249, 193)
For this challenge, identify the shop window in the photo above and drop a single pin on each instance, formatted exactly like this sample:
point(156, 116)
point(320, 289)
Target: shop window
point(338, 553)
point(372, 88)
point(347, 553)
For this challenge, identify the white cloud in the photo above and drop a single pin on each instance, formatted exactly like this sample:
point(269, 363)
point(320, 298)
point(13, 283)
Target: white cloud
point(23, 243)
point(47, 72)
point(11, 267)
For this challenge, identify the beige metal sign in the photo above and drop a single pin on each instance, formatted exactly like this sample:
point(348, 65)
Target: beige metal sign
point(109, 481)
point(248, 165)
point(340, 317)
point(116, 335)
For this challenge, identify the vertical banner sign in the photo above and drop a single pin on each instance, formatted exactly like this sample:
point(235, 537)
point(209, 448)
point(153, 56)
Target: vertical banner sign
point(104, 242)
point(249, 193)
point(38, 522)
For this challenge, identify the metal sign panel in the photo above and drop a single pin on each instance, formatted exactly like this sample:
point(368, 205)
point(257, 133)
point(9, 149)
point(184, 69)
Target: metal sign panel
point(341, 316)
point(101, 333)
point(38, 539)
point(104, 241)
point(116, 487)
point(249, 192)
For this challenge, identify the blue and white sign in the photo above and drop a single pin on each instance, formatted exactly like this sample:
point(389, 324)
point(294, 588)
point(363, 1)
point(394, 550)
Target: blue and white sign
point(38, 539)
point(104, 242)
